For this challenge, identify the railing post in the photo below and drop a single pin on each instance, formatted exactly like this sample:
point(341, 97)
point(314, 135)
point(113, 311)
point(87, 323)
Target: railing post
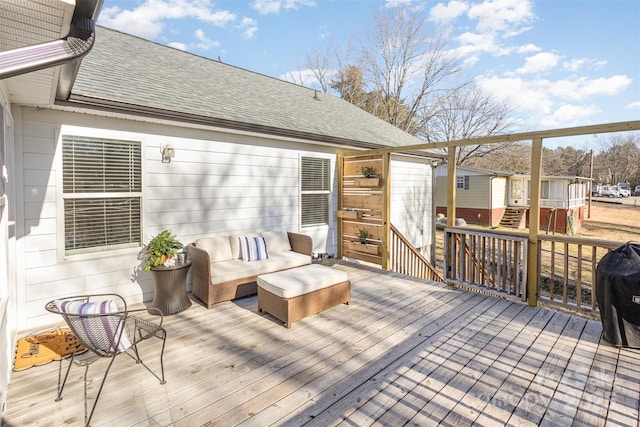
point(340, 160)
point(451, 201)
point(533, 263)
point(386, 211)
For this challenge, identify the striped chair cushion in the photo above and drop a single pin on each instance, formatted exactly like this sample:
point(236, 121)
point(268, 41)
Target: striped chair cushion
point(101, 332)
point(253, 249)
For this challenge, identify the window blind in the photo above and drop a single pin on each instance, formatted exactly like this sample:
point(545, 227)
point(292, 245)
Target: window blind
point(315, 174)
point(93, 165)
point(102, 185)
point(315, 190)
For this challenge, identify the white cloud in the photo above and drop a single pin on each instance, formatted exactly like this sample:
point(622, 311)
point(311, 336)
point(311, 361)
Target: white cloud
point(558, 103)
point(271, 7)
point(204, 43)
point(527, 48)
point(397, 3)
point(445, 13)
point(529, 98)
point(149, 18)
point(582, 88)
point(573, 64)
point(633, 105)
point(178, 45)
point(509, 17)
point(495, 21)
point(267, 7)
point(568, 114)
point(249, 27)
point(540, 62)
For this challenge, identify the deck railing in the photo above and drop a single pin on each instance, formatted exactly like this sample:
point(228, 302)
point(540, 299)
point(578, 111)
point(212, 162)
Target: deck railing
point(493, 262)
point(567, 269)
point(405, 259)
point(496, 261)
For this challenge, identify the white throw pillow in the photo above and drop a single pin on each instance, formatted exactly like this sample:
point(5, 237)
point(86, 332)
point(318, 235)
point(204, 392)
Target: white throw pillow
point(217, 247)
point(235, 244)
point(276, 241)
point(253, 249)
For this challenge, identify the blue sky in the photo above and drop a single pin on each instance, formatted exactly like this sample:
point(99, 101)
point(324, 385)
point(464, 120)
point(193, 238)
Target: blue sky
point(560, 63)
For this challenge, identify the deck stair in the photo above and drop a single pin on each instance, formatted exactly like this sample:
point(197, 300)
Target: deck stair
point(514, 218)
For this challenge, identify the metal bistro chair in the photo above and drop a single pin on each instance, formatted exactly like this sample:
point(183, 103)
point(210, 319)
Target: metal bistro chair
point(106, 331)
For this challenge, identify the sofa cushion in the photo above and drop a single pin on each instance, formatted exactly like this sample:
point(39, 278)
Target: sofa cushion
point(300, 281)
point(237, 269)
point(218, 248)
point(277, 241)
point(253, 249)
point(234, 241)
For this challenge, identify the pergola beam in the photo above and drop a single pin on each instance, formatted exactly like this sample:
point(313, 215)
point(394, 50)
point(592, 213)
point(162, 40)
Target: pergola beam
point(536, 138)
point(514, 137)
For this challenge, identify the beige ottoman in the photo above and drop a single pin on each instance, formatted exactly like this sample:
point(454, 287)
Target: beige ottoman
point(290, 295)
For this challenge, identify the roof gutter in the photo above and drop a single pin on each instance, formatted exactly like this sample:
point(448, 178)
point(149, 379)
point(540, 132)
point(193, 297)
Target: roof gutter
point(73, 46)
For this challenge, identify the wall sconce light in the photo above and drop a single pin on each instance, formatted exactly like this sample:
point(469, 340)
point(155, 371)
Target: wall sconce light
point(168, 152)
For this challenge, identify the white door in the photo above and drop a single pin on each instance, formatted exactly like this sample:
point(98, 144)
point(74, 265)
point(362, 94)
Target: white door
point(516, 192)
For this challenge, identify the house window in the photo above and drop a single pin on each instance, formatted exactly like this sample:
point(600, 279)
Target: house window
point(315, 190)
point(462, 182)
point(102, 192)
point(545, 190)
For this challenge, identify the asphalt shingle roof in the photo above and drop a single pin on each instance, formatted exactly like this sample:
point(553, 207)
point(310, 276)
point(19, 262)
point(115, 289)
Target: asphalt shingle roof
point(126, 70)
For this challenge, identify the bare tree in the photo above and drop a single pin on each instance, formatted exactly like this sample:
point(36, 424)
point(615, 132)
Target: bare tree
point(350, 84)
point(515, 158)
point(619, 159)
point(322, 67)
point(464, 113)
point(404, 74)
point(405, 65)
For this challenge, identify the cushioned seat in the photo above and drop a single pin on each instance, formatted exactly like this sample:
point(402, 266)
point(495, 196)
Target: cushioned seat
point(226, 267)
point(236, 269)
point(299, 281)
point(299, 292)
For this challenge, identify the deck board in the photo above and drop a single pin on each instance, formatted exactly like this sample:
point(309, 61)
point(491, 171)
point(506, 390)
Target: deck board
point(405, 351)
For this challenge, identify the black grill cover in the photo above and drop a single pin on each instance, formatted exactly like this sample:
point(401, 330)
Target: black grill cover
point(618, 295)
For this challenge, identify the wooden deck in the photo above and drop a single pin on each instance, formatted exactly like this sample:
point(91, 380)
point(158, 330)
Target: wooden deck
point(404, 352)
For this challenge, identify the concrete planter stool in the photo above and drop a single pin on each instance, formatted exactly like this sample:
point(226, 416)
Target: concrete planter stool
point(291, 295)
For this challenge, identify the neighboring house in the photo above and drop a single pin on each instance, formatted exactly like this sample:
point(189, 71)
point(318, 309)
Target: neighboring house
point(481, 194)
point(142, 137)
point(492, 198)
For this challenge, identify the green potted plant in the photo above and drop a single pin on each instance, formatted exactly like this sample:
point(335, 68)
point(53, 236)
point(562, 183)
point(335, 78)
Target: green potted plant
point(363, 235)
point(368, 171)
point(162, 250)
point(370, 178)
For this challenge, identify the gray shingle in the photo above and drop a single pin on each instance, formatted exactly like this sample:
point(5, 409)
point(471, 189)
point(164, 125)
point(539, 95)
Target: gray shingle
point(126, 69)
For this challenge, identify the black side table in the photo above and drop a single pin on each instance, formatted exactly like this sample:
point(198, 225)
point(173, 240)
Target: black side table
point(171, 288)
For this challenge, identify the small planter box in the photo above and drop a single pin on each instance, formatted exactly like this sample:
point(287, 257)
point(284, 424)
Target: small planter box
point(366, 248)
point(350, 214)
point(367, 182)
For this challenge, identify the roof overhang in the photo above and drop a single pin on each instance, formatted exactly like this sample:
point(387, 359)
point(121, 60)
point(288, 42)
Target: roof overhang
point(40, 43)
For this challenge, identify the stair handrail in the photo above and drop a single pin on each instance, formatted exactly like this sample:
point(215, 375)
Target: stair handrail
point(422, 268)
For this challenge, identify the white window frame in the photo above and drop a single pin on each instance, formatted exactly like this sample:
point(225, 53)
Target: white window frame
point(106, 251)
point(327, 192)
point(462, 182)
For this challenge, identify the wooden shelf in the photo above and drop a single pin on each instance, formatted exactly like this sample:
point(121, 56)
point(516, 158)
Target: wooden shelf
point(349, 214)
point(367, 182)
point(366, 248)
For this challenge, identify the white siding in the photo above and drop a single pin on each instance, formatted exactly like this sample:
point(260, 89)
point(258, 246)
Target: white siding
point(412, 200)
point(217, 184)
point(476, 196)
